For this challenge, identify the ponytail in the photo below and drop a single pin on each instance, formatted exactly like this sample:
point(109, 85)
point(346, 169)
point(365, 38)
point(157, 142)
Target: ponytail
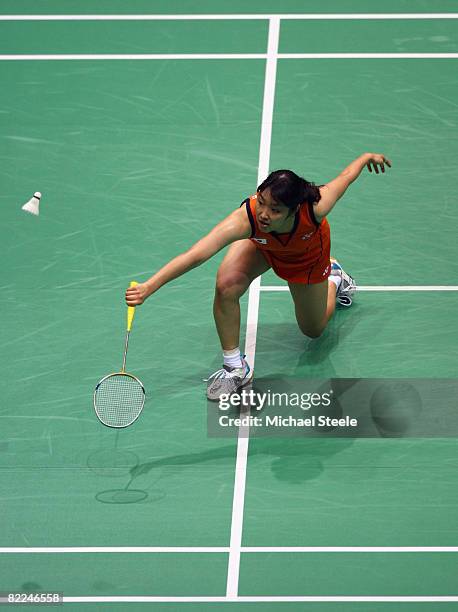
point(287, 188)
point(311, 192)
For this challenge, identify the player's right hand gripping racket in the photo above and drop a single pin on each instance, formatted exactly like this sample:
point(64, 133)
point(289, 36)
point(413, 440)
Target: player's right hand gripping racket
point(119, 398)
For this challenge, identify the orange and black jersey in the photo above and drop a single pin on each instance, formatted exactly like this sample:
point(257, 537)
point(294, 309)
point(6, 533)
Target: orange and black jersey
point(301, 255)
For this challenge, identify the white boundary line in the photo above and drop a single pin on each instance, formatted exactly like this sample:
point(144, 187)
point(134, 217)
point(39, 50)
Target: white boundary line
point(248, 599)
point(252, 317)
point(225, 549)
point(112, 549)
point(379, 288)
point(133, 56)
point(348, 549)
point(216, 56)
point(267, 16)
point(367, 55)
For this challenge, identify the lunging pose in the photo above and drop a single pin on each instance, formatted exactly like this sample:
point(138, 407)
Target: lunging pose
point(282, 226)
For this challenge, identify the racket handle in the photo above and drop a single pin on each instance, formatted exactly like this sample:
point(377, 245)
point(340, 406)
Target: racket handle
point(131, 310)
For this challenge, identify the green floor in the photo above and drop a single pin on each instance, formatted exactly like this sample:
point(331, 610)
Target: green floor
point(136, 160)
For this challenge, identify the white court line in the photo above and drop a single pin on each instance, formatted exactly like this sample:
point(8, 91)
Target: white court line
point(223, 549)
point(252, 317)
point(379, 288)
point(216, 56)
point(112, 549)
point(266, 16)
point(132, 56)
point(256, 598)
point(367, 55)
point(348, 549)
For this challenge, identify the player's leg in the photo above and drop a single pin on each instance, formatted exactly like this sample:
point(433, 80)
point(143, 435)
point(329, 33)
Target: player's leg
point(314, 306)
point(315, 303)
point(241, 265)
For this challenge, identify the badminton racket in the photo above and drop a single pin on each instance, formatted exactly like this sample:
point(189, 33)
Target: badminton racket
point(119, 397)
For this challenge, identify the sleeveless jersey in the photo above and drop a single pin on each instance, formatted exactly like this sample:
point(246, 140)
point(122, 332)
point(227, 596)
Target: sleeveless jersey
point(300, 256)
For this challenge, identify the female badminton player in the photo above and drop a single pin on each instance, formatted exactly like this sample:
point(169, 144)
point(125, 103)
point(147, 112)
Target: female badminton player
point(284, 227)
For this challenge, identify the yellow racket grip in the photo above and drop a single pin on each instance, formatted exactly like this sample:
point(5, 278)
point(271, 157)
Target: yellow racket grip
point(131, 310)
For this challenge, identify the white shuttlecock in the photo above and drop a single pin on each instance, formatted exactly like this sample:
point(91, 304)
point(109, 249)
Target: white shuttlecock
point(33, 205)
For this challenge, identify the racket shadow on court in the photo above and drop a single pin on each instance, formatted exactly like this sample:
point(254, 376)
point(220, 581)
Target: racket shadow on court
point(122, 464)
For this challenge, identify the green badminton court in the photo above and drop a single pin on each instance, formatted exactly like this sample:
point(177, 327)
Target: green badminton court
point(143, 126)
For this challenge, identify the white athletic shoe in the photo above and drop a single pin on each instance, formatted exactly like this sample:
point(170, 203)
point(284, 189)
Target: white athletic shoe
point(347, 286)
point(228, 380)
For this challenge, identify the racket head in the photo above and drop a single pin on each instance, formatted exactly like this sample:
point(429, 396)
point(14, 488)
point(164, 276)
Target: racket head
point(119, 399)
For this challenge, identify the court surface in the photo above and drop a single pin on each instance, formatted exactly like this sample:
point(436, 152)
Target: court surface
point(142, 133)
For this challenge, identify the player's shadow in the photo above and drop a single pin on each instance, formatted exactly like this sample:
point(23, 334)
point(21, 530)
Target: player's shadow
point(292, 460)
point(318, 350)
point(285, 343)
point(310, 356)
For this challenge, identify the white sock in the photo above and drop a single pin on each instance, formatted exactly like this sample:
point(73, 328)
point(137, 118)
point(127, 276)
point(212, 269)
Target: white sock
point(233, 358)
point(336, 280)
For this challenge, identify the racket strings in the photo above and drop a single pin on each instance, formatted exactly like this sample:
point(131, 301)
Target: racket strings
point(119, 399)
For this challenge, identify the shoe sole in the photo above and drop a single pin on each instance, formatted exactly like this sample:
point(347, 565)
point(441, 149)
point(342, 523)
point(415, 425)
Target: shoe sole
point(245, 382)
point(344, 301)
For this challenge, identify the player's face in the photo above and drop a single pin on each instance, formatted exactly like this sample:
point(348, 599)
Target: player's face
point(272, 216)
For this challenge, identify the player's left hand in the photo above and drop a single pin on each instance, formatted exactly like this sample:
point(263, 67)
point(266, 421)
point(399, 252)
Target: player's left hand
point(376, 161)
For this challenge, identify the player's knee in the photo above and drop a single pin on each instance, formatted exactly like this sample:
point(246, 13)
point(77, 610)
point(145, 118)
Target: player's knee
point(230, 287)
point(312, 332)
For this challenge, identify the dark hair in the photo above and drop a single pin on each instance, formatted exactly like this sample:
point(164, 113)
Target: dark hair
point(287, 188)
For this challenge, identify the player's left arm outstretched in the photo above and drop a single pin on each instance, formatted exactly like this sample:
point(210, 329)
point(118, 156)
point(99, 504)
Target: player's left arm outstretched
point(334, 190)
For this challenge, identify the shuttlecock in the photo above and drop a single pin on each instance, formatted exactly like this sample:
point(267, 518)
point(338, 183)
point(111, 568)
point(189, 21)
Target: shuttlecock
point(33, 205)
